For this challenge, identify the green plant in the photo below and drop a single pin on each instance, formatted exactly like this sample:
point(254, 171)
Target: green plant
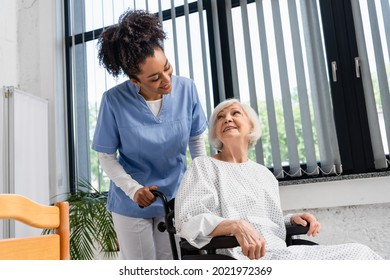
point(91, 226)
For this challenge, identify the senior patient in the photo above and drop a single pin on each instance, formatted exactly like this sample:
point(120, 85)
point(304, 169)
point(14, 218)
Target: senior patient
point(228, 194)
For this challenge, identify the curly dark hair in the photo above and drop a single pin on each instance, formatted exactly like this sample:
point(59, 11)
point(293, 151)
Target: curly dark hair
point(123, 47)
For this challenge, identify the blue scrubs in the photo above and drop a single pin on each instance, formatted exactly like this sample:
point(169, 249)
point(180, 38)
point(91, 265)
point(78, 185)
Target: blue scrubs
point(151, 149)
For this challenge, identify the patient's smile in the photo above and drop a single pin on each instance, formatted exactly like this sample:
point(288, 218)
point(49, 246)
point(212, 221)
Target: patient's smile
point(229, 128)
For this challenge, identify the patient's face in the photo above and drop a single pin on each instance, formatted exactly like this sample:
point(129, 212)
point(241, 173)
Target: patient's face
point(232, 123)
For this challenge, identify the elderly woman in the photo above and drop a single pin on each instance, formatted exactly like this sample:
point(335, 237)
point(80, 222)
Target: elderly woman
point(228, 194)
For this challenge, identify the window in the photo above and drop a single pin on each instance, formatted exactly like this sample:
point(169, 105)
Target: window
point(372, 24)
point(275, 73)
point(87, 81)
point(353, 85)
point(317, 72)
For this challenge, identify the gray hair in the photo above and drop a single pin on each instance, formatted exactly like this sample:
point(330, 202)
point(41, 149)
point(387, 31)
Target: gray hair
point(255, 134)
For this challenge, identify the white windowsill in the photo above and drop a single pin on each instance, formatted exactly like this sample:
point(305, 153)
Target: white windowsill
point(334, 192)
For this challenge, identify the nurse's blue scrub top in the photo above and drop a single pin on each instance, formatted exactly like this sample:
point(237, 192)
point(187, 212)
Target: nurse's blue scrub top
point(151, 149)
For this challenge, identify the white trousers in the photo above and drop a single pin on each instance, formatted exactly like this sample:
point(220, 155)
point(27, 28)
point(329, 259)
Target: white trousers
point(139, 239)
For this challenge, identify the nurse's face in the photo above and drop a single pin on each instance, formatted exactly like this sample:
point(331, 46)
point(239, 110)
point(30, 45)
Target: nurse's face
point(155, 77)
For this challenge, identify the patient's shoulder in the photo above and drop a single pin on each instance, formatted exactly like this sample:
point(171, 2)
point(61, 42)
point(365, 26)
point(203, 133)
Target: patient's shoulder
point(203, 164)
point(201, 161)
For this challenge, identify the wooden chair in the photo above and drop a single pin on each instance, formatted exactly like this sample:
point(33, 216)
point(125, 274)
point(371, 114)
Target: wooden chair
point(43, 247)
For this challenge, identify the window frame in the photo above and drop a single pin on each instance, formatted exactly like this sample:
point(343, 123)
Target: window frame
point(349, 105)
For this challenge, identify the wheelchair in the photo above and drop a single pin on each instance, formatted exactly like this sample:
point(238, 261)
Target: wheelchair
point(209, 251)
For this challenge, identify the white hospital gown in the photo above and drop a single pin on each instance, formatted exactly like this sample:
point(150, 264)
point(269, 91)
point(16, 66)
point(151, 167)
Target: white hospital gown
point(213, 190)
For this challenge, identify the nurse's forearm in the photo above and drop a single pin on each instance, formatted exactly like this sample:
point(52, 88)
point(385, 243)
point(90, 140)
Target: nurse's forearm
point(197, 146)
point(118, 175)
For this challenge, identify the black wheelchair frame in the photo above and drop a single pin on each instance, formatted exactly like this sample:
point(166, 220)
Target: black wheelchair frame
point(209, 251)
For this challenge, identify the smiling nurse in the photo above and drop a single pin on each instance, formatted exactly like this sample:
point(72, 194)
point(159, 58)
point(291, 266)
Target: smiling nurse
point(143, 129)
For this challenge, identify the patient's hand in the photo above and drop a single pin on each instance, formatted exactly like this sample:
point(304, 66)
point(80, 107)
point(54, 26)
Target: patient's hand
point(251, 242)
point(304, 218)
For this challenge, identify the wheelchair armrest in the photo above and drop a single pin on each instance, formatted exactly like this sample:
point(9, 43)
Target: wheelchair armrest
point(224, 242)
point(297, 229)
point(218, 242)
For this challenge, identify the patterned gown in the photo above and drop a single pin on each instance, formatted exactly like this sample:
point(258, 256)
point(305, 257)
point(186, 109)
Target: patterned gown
point(213, 190)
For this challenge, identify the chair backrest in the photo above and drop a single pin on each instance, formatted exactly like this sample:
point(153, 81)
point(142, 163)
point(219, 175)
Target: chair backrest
point(41, 247)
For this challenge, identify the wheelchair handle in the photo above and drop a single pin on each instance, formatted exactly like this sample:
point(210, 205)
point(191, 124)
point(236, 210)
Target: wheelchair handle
point(162, 197)
point(168, 225)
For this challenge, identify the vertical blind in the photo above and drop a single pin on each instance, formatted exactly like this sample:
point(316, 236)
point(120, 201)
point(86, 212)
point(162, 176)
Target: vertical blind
point(374, 55)
point(290, 77)
point(186, 48)
point(277, 63)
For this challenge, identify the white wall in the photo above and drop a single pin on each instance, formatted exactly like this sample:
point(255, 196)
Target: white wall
point(326, 193)
point(355, 210)
point(31, 58)
point(8, 43)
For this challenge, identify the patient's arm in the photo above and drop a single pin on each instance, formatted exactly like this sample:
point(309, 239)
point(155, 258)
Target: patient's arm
point(251, 242)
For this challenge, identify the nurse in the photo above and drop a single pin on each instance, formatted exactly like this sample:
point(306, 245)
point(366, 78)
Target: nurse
point(143, 129)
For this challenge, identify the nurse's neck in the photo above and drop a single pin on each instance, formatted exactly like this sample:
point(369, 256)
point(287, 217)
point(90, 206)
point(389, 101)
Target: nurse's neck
point(150, 97)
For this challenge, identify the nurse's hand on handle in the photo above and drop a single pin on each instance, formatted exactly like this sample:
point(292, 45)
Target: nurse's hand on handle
point(144, 196)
